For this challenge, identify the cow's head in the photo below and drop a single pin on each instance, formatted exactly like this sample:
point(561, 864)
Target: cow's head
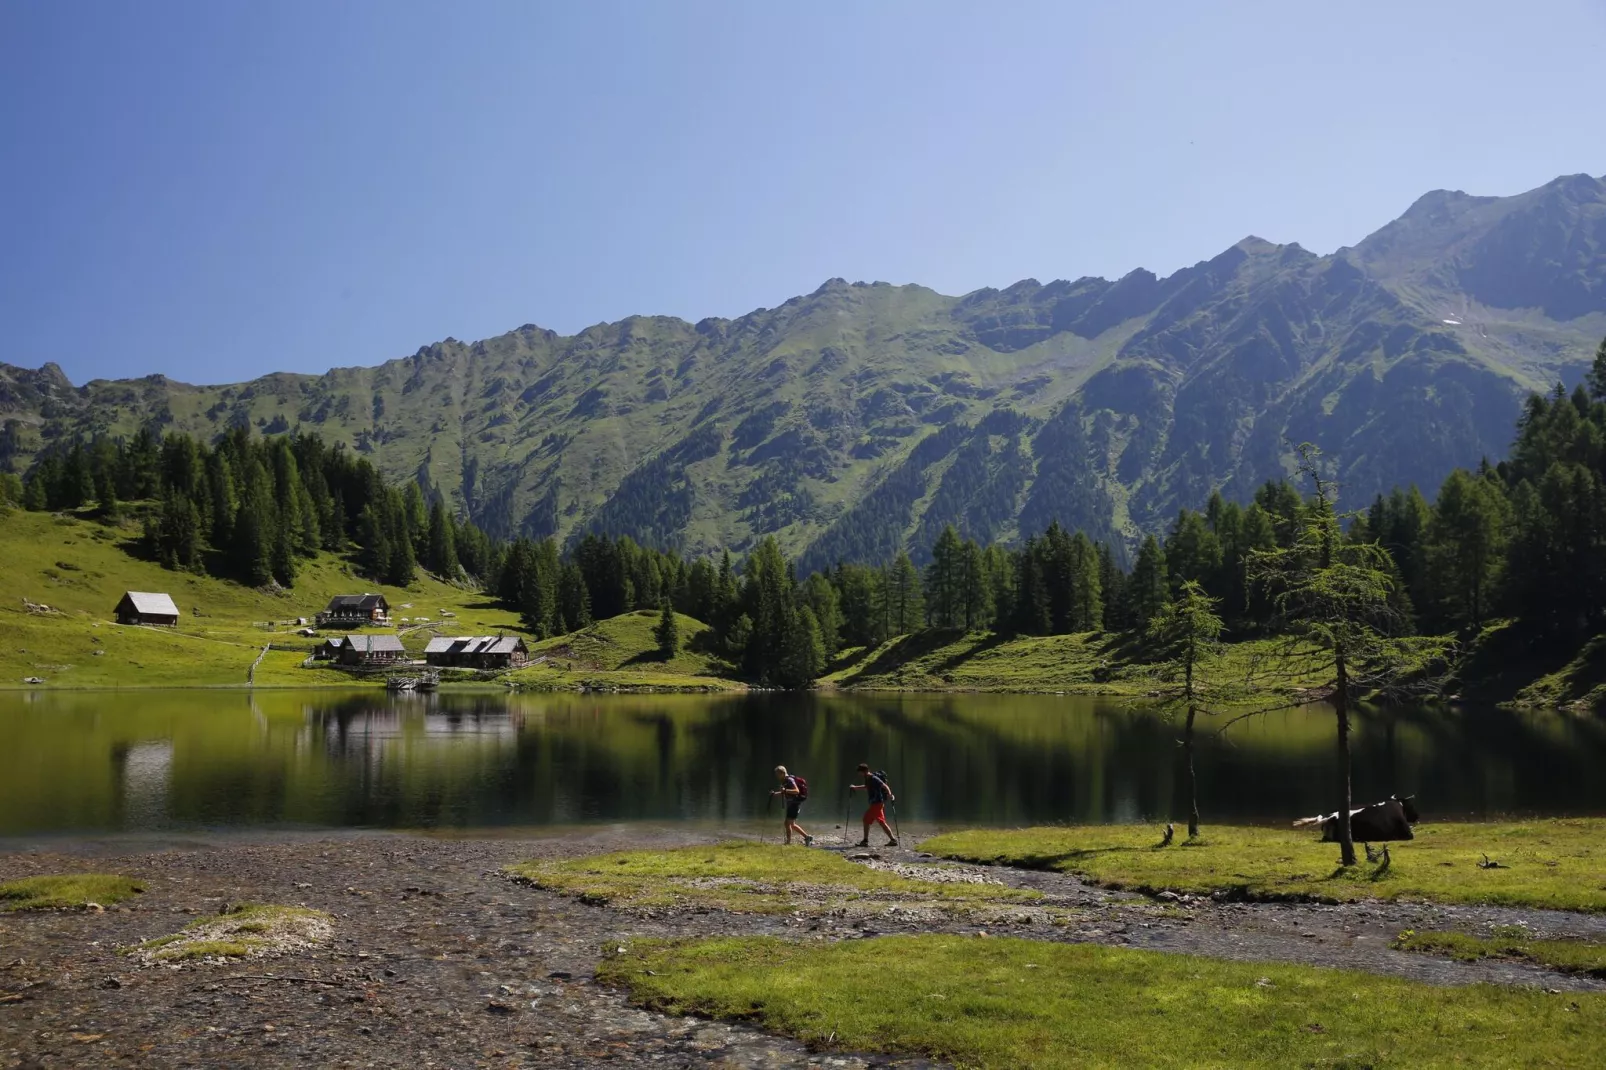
point(1408, 805)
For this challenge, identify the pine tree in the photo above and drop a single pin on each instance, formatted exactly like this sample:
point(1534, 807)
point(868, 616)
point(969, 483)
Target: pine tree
point(442, 544)
point(975, 587)
point(903, 596)
point(574, 601)
point(943, 580)
point(255, 529)
point(820, 595)
point(1087, 604)
point(1147, 587)
point(667, 633)
point(177, 533)
point(1597, 374)
point(1464, 544)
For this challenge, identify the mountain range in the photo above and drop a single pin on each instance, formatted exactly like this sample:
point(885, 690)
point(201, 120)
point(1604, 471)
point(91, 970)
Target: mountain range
point(861, 418)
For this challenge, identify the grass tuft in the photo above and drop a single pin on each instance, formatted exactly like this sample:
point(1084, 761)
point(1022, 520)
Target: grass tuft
point(1021, 1003)
point(1510, 942)
point(1558, 864)
point(250, 930)
point(750, 877)
point(67, 891)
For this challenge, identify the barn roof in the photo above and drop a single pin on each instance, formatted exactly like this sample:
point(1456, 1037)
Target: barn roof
point(475, 644)
point(154, 603)
point(355, 601)
point(375, 644)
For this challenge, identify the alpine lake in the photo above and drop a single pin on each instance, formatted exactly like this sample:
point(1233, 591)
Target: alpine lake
point(116, 762)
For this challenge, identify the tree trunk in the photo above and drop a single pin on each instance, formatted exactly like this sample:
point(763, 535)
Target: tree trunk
point(1346, 837)
point(1193, 783)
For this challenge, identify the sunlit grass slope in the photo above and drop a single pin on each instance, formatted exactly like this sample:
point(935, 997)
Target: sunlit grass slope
point(1023, 1003)
point(81, 567)
point(1558, 863)
point(623, 652)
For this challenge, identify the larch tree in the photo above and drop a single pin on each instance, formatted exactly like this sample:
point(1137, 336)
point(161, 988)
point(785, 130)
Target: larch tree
point(1188, 632)
point(1333, 601)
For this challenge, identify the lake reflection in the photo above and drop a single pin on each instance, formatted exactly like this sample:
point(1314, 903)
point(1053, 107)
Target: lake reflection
point(186, 759)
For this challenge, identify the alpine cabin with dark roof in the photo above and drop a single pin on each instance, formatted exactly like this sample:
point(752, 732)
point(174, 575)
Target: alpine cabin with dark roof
point(146, 607)
point(355, 610)
point(477, 652)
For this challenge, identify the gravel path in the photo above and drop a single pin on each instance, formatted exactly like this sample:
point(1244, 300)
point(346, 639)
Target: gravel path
point(438, 961)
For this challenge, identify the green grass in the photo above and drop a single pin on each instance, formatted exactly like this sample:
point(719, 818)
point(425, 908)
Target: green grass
point(1087, 663)
point(750, 877)
point(621, 654)
point(243, 931)
point(67, 891)
point(1510, 942)
point(1558, 863)
point(81, 567)
point(1020, 1003)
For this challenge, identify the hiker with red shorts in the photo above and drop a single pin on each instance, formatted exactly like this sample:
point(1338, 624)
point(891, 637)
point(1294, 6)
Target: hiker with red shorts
point(880, 794)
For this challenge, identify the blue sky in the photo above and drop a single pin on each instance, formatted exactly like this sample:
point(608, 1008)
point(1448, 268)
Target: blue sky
point(215, 190)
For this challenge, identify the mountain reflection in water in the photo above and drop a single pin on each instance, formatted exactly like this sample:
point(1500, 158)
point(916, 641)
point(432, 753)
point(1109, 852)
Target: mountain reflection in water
point(97, 761)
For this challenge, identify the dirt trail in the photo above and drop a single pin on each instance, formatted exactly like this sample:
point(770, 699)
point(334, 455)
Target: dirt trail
point(439, 961)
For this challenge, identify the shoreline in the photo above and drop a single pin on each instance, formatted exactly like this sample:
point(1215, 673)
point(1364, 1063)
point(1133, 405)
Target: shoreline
point(438, 955)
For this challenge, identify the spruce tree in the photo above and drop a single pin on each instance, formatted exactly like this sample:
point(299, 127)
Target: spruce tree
point(1147, 587)
point(667, 632)
point(943, 578)
point(904, 596)
point(574, 601)
point(1464, 544)
point(442, 544)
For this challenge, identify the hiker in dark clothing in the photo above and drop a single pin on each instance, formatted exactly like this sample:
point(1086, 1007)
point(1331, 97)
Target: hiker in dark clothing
point(880, 793)
point(796, 793)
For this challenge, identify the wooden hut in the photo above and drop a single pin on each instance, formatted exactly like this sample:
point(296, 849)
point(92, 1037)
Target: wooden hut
point(355, 610)
point(370, 650)
point(477, 652)
point(145, 607)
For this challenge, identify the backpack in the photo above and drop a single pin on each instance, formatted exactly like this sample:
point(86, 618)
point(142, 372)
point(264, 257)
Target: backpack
point(886, 785)
point(802, 787)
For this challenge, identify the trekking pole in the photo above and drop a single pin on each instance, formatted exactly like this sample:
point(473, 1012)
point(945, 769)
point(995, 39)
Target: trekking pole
point(847, 812)
point(896, 831)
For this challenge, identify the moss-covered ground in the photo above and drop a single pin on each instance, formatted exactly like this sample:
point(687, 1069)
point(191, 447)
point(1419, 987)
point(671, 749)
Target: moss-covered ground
point(67, 891)
point(1019, 1003)
point(1558, 863)
point(1510, 942)
point(248, 930)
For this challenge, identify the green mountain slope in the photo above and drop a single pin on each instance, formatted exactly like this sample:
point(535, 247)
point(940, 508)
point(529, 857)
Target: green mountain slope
point(862, 418)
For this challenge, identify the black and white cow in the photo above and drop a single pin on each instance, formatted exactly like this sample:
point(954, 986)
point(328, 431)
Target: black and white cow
point(1388, 820)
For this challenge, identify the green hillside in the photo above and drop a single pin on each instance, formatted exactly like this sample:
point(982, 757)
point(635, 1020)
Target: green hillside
point(80, 568)
point(863, 417)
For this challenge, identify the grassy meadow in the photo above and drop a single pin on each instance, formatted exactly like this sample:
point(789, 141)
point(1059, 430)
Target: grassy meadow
point(1557, 863)
point(990, 1002)
point(80, 567)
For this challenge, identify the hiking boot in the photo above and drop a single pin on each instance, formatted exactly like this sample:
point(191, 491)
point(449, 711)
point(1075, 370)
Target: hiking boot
point(808, 841)
point(864, 843)
point(892, 843)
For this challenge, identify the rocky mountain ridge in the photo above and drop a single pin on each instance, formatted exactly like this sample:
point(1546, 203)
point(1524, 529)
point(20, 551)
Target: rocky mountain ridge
point(862, 417)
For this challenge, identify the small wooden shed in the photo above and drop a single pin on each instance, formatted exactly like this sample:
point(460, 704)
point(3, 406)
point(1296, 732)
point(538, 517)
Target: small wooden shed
point(146, 607)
